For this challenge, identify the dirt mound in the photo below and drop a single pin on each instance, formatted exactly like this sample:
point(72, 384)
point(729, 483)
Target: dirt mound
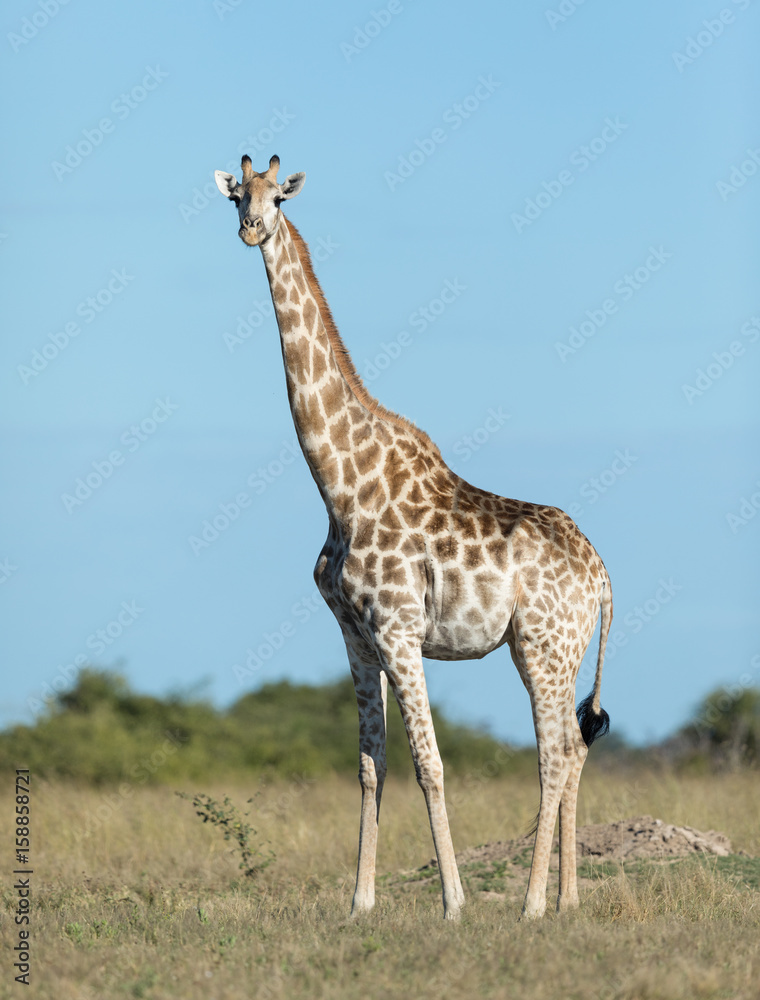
point(639, 837)
point(645, 837)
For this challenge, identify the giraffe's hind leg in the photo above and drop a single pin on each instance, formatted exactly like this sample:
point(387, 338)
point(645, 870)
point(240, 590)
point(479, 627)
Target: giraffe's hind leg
point(561, 752)
point(568, 882)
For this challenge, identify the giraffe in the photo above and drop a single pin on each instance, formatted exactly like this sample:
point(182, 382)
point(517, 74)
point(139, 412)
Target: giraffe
point(418, 563)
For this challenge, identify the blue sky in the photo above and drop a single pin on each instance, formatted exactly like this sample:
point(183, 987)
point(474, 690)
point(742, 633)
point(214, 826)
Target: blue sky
point(585, 177)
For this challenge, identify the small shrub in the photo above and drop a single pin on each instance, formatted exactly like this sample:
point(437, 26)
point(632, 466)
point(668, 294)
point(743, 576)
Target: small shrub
point(228, 819)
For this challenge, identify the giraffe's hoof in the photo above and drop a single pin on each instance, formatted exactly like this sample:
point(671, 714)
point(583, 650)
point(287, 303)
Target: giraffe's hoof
point(532, 912)
point(566, 903)
point(359, 910)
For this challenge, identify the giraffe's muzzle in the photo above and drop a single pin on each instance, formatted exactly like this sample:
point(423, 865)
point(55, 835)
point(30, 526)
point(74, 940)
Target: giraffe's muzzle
point(252, 231)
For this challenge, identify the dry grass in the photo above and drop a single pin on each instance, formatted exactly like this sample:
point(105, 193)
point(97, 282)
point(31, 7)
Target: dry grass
point(151, 903)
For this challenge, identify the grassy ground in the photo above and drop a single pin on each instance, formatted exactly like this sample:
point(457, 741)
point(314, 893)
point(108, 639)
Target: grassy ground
point(137, 897)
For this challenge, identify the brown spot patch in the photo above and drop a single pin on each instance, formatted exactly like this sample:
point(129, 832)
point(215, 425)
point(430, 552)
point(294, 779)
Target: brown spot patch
point(372, 494)
point(437, 522)
point(349, 473)
point(413, 515)
point(393, 571)
point(488, 525)
point(366, 459)
point(309, 314)
point(327, 465)
point(311, 417)
point(389, 599)
point(339, 434)
point(361, 433)
point(387, 540)
point(413, 545)
point(416, 495)
point(444, 548)
point(334, 396)
point(318, 361)
point(364, 534)
point(297, 354)
point(487, 589)
point(390, 519)
point(498, 552)
point(396, 480)
point(382, 433)
point(453, 591)
point(465, 527)
point(473, 556)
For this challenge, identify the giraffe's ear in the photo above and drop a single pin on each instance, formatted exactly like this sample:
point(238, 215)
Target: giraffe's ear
point(227, 184)
point(291, 186)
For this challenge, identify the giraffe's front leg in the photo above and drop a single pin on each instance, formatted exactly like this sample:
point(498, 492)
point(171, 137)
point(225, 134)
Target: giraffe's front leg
point(371, 695)
point(403, 664)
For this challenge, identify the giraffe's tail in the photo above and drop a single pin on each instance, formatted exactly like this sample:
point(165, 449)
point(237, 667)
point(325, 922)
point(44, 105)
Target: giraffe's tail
point(592, 718)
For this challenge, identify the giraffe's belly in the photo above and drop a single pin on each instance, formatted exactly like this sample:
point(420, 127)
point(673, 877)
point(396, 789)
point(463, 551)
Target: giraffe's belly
point(461, 643)
point(467, 617)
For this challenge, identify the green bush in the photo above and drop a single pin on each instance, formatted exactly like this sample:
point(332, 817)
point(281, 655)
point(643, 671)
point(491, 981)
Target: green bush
point(724, 731)
point(101, 732)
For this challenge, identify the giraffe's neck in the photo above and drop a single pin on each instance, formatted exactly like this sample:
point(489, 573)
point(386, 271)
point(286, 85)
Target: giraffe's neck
point(344, 433)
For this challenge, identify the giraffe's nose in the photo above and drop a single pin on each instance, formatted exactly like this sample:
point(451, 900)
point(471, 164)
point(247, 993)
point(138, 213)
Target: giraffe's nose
point(256, 223)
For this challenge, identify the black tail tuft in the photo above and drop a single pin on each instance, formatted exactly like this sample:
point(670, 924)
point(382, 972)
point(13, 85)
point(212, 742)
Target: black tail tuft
point(593, 724)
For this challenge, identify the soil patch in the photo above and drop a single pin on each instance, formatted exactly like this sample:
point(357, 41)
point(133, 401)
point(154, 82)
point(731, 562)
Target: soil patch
point(639, 837)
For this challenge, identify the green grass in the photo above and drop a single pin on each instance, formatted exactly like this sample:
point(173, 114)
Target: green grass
point(152, 903)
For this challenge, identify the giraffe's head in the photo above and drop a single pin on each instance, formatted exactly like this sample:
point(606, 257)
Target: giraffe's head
point(258, 198)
